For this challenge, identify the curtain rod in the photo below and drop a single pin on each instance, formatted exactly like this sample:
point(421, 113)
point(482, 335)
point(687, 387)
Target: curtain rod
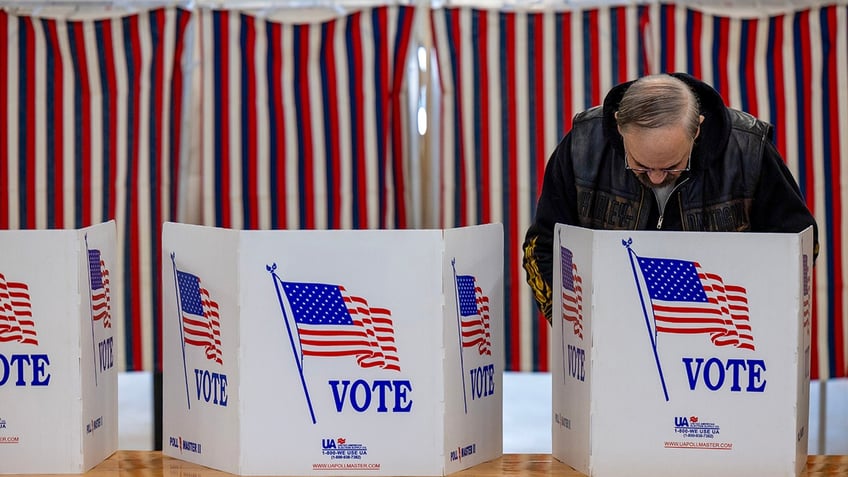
point(93, 3)
point(360, 3)
point(743, 8)
point(80, 4)
point(334, 5)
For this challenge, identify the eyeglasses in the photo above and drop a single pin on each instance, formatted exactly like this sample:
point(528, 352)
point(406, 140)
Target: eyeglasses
point(646, 170)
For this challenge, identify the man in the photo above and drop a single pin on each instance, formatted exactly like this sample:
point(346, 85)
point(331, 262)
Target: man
point(662, 153)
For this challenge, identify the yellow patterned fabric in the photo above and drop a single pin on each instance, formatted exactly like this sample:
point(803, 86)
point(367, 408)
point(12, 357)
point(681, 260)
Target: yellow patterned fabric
point(541, 290)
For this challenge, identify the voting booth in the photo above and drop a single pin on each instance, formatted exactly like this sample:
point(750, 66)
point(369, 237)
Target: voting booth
point(681, 353)
point(58, 380)
point(359, 352)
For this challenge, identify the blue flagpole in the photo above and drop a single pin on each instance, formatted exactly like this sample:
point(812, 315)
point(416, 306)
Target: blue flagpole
point(91, 311)
point(272, 268)
point(562, 327)
point(632, 254)
point(562, 342)
point(180, 321)
point(459, 336)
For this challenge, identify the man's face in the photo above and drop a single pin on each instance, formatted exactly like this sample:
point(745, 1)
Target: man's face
point(657, 156)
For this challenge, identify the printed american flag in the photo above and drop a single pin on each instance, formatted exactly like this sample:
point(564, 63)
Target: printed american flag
point(201, 320)
point(806, 295)
point(474, 315)
point(101, 307)
point(16, 323)
point(686, 300)
point(332, 323)
point(572, 292)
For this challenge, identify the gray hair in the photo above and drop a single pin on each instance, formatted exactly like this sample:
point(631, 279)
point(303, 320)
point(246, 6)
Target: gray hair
point(657, 101)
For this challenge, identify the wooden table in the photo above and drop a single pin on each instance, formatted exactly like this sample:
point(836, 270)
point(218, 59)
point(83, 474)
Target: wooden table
point(154, 464)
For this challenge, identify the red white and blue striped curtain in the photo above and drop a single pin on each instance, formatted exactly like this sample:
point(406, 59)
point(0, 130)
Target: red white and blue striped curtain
point(304, 124)
point(512, 80)
point(89, 122)
point(790, 69)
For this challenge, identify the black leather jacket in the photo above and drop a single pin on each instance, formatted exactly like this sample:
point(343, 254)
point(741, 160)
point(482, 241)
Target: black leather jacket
point(738, 182)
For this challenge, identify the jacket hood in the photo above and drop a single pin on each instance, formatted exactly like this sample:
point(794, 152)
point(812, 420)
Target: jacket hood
point(715, 130)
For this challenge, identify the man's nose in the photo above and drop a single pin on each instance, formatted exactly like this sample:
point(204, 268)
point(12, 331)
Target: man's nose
point(657, 176)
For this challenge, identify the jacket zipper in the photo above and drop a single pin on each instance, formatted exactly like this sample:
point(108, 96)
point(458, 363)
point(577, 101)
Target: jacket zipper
point(662, 211)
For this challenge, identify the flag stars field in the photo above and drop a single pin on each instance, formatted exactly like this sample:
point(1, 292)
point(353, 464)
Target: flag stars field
point(674, 280)
point(317, 305)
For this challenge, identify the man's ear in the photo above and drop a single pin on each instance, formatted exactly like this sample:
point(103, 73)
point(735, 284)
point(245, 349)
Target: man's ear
point(700, 122)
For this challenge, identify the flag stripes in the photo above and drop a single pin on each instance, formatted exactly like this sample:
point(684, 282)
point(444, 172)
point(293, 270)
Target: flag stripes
point(332, 323)
point(89, 112)
point(473, 310)
point(99, 283)
point(16, 320)
point(200, 316)
point(686, 300)
point(572, 293)
point(302, 125)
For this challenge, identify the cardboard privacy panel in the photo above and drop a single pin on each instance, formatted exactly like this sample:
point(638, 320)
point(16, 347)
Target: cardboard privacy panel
point(367, 352)
point(681, 352)
point(58, 379)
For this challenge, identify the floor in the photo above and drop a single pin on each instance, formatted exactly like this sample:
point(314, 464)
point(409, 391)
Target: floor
point(527, 407)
